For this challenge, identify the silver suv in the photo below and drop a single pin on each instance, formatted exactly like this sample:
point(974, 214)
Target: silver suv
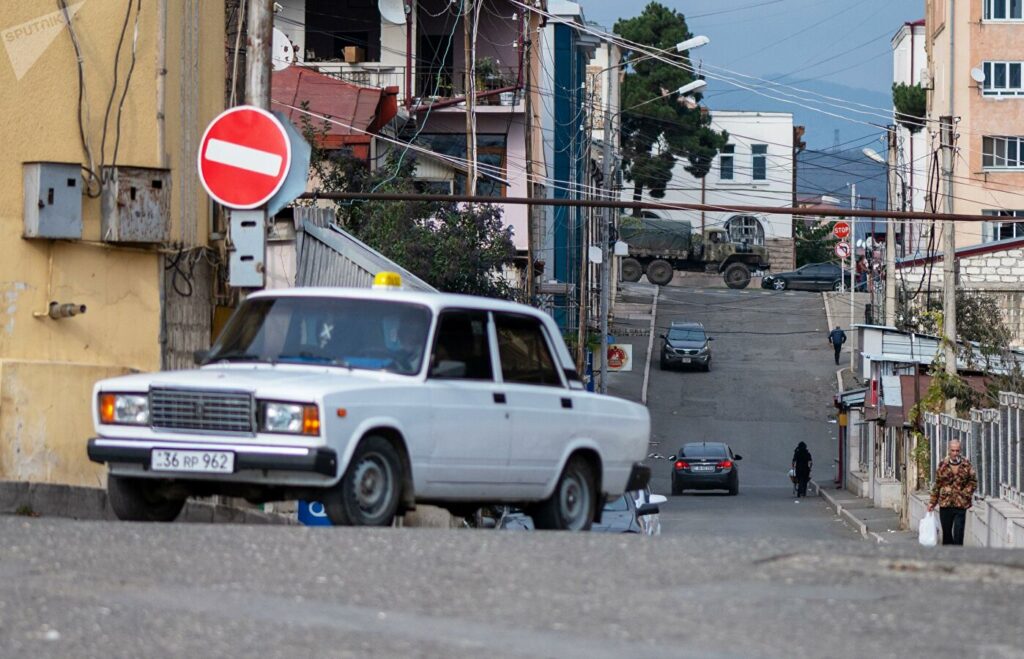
point(686, 344)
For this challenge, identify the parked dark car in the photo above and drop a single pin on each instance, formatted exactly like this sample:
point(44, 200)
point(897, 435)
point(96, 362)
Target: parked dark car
point(811, 277)
point(622, 515)
point(705, 466)
point(686, 344)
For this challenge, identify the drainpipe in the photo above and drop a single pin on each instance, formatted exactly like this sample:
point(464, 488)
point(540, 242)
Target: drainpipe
point(161, 82)
point(911, 174)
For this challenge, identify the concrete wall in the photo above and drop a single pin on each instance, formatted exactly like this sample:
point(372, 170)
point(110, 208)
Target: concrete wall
point(49, 366)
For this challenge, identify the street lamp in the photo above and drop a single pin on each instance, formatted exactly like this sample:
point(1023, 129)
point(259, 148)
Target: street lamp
point(691, 87)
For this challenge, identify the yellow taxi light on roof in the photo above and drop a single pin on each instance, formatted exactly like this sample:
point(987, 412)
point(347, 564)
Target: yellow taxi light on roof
point(387, 280)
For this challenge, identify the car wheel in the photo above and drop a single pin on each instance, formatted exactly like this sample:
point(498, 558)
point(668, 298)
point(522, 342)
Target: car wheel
point(369, 492)
point(707, 367)
point(737, 276)
point(631, 269)
point(135, 500)
point(664, 364)
point(837, 285)
point(734, 487)
point(659, 272)
point(676, 488)
point(571, 506)
point(779, 284)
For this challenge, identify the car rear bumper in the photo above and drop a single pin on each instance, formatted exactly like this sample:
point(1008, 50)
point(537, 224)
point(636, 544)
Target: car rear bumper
point(321, 461)
point(712, 481)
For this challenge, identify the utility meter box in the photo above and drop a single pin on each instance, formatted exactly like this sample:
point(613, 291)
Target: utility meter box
point(136, 205)
point(53, 200)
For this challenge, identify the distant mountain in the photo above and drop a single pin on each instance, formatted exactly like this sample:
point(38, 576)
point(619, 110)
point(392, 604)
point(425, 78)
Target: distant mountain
point(820, 126)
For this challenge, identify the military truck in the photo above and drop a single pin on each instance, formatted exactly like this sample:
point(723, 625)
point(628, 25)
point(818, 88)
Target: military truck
point(658, 247)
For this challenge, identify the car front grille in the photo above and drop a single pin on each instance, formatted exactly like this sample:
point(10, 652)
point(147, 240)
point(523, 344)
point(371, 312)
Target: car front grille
point(207, 411)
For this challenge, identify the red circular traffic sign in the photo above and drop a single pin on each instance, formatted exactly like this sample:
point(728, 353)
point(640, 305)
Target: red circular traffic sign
point(244, 157)
point(842, 249)
point(841, 230)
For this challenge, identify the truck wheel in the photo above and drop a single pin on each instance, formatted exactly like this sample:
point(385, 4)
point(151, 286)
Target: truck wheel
point(737, 275)
point(631, 269)
point(371, 489)
point(659, 272)
point(133, 500)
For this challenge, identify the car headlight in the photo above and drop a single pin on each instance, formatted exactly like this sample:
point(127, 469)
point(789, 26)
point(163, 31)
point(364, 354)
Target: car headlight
point(290, 418)
point(127, 409)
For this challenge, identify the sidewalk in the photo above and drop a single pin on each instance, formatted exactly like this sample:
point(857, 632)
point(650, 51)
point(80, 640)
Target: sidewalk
point(632, 323)
point(879, 524)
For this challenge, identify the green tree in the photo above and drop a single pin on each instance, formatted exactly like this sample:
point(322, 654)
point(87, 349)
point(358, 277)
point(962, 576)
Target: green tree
point(814, 242)
point(654, 135)
point(454, 247)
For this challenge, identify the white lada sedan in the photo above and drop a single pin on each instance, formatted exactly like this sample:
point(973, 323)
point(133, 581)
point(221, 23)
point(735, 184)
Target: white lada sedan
point(373, 401)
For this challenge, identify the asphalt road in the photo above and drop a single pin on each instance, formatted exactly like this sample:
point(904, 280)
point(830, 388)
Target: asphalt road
point(770, 386)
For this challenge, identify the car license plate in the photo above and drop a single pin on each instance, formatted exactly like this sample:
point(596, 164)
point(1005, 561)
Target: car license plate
point(685, 360)
point(204, 462)
point(703, 468)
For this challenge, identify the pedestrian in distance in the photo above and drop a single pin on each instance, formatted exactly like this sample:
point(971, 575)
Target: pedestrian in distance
point(802, 464)
point(952, 492)
point(837, 338)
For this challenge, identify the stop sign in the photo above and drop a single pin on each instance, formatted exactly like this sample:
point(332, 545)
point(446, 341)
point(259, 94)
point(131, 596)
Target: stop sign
point(244, 157)
point(841, 230)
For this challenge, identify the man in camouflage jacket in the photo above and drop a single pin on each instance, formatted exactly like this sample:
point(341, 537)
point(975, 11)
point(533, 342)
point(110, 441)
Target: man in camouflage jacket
point(955, 482)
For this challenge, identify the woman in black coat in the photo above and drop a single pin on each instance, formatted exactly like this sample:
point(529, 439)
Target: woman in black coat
point(802, 466)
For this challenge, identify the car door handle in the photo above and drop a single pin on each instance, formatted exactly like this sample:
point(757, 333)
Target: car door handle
point(499, 398)
point(567, 403)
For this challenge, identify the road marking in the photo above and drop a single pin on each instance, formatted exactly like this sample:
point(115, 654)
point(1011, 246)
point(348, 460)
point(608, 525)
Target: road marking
point(243, 157)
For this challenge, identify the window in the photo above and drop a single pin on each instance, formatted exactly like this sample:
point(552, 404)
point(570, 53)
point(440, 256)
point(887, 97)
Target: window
point(1002, 79)
point(1003, 10)
point(490, 156)
point(462, 349)
point(524, 353)
point(999, 152)
point(745, 228)
point(1004, 230)
point(760, 152)
point(703, 451)
point(725, 162)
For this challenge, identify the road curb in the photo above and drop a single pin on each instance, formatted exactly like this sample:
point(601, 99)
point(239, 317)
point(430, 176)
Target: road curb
point(90, 503)
point(845, 514)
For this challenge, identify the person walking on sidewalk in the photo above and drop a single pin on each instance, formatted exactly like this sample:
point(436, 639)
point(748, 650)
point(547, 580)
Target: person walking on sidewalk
point(955, 482)
point(802, 467)
point(837, 338)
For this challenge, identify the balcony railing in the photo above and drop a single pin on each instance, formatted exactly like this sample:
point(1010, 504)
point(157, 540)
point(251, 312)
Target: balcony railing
point(364, 74)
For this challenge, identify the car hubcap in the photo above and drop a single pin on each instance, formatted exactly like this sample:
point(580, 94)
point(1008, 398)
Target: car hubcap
point(778, 284)
point(372, 482)
point(575, 501)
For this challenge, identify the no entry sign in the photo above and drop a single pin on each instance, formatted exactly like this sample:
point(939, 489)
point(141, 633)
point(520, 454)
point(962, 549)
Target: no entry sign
point(841, 230)
point(244, 157)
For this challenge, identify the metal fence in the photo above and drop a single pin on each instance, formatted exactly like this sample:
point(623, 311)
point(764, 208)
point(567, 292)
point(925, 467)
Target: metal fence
point(991, 439)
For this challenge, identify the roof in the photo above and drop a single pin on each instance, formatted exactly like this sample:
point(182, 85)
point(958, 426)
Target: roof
point(898, 415)
point(913, 348)
point(360, 111)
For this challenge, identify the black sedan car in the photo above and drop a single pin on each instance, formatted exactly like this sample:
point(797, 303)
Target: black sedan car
point(811, 277)
point(705, 466)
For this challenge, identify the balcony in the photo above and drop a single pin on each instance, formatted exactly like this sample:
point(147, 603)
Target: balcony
point(364, 74)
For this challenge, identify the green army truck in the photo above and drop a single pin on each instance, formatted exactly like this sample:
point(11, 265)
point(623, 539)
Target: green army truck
point(659, 247)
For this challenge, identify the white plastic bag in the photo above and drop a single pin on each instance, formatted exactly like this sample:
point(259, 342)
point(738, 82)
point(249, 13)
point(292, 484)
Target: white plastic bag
point(928, 530)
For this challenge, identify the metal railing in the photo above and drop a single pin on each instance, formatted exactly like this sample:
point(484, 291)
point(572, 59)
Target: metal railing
point(364, 74)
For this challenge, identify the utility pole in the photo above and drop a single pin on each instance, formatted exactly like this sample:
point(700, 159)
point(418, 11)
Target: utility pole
point(890, 235)
point(606, 216)
point(260, 28)
point(948, 253)
point(469, 36)
point(528, 92)
point(853, 257)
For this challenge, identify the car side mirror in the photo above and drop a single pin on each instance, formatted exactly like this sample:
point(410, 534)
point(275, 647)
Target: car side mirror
point(647, 509)
point(671, 457)
point(658, 499)
point(737, 457)
point(711, 338)
point(199, 357)
point(662, 336)
point(447, 368)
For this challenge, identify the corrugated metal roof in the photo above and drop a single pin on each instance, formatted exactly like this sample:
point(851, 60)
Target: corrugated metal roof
point(354, 106)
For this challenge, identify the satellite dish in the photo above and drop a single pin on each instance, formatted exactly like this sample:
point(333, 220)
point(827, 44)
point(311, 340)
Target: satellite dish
point(283, 51)
point(393, 11)
point(978, 75)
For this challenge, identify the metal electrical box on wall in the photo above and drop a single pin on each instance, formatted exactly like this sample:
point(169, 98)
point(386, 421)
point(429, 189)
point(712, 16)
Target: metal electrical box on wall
point(136, 205)
point(53, 200)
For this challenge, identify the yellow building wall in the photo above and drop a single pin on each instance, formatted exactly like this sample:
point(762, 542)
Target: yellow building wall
point(49, 366)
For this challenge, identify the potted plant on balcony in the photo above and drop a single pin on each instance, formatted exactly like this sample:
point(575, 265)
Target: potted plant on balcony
point(488, 78)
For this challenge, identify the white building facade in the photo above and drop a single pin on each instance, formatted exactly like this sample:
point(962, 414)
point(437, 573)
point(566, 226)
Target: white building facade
point(755, 168)
point(909, 61)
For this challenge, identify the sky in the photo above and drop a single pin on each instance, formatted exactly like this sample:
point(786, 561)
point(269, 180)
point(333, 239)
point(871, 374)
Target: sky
point(840, 48)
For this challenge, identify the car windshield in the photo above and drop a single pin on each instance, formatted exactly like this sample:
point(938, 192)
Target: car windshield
point(703, 451)
point(377, 335)
point(618, 505)
point(686, 334)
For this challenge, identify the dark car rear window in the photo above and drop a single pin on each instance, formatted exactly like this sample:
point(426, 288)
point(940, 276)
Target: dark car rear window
point(703, 451)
